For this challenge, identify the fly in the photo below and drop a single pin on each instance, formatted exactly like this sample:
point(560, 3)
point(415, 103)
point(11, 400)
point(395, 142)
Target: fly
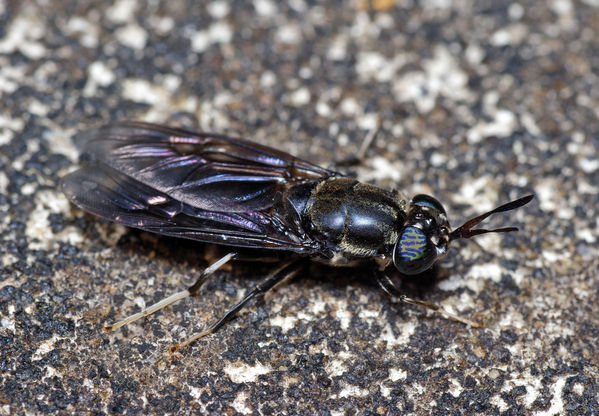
point(231, 191)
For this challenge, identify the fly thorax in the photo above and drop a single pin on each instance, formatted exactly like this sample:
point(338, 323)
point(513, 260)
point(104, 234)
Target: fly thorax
point(358, 219)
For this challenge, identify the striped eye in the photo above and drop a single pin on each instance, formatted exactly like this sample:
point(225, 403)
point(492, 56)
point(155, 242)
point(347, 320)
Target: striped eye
point(413, 253)
point(412, 244)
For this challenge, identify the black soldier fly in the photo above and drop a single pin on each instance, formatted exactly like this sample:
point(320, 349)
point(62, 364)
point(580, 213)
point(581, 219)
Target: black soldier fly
point(231, 191)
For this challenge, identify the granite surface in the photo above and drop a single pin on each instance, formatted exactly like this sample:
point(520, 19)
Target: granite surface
point(479, 102)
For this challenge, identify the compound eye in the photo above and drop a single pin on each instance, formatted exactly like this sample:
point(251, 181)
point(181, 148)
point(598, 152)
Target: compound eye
point(428, 201)
point(413, 253)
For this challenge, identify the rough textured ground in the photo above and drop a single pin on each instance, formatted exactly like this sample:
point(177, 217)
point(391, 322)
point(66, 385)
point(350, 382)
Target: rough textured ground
point(480, 102)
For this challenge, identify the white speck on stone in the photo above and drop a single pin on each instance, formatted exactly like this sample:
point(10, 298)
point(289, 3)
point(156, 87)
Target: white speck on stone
point(503, 125)
point(171, 82)
point(337, 50)
point(9, 79)
point(369, 64)
point(55, 202)
point(23, 35)
point(218, 9)
point(342, 139)
point(140, 302)
point(441, 77)
point(557, 404)
point(60, 142)
point(369, 314)
point(373, 65)
point(514, 34)
point(584, 187)
point(350, 107)
point(305, 72)
point(299, 97)
point(561, 7)
point(240, 403)
point(336, 366)
point(452, 283)
point(382, 169)
point(438, 159)
point(341, 313)
point(548, 199)
point(244, 373)
point(368, 121)
point(363, 28)
point(349, 390)
point(592, 3)
point(500, 38)
point(133, 36)
point(397, 374)
point(323, 109)
point(3, 182)
point(438, 4)
point(219, 32)
point(85, 29)
point(142, 91)
point(385, 391)
point(472, 193)
point(551, 256)
point(121, 11)
point(8, 126)
point(37, 108)
point(33, 50)
point(474, 54)
point(28, 189)
point(578, 388)
point(44, 348)
point(512, 320)
point(195, 392)
point(284, 322)
point(37, 226)
point(200, 41)
point(515, 11)
point(299, 6)
point(407, 330)
point(162, 25)
point(289, 34)
point(585, 234)
point(98, 75)
point(588, 165)
point(101, 74)
point(530, 124)
point(265, 8)
point(268, 79)
point(8, 323)
point(222, 99)
point(489, 271)
point(316, 308)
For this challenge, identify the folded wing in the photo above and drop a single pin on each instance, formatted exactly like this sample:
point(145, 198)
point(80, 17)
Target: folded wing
point(192, 185)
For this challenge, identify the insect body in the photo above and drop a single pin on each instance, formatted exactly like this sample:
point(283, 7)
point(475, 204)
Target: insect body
point(234, 192)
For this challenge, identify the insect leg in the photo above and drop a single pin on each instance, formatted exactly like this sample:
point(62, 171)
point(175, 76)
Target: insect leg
point(390, 288)
point(286, 272)
point(193, 290)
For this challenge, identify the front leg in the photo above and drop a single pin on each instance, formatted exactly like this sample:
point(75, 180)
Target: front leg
point(392, 290)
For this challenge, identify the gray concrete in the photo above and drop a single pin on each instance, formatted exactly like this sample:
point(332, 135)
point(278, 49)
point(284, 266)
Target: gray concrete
point(481, 102)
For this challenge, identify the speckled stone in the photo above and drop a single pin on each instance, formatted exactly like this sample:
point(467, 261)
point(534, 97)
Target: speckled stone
point(480, 102)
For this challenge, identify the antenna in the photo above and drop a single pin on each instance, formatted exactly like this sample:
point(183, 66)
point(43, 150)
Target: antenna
point(466, 231)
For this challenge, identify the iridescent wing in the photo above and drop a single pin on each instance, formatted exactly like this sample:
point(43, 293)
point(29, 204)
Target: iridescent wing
point(200, 186)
